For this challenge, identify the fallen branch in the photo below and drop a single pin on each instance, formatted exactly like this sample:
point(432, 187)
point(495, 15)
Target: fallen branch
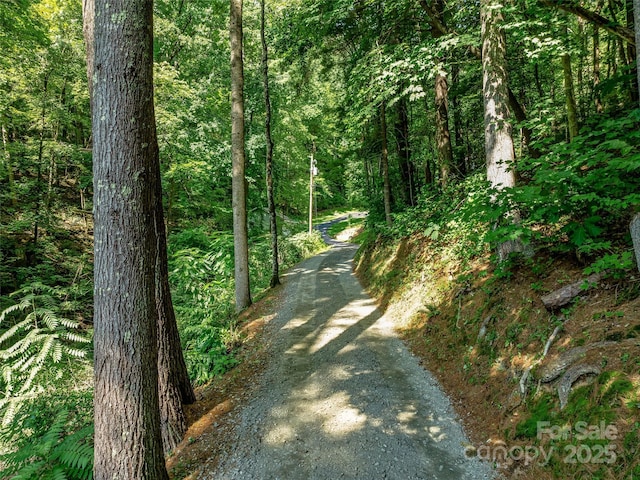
point(564, 295)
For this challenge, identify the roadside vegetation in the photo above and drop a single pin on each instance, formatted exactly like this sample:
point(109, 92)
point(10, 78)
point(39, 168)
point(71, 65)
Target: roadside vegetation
point(480, 325)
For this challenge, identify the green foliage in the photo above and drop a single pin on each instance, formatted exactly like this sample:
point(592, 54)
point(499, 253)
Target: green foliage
point(201, 274)
point(35, 340)
point(56, 454)
point(444, 218)
point(336, 228)
point(577, 197)
point(299, 246)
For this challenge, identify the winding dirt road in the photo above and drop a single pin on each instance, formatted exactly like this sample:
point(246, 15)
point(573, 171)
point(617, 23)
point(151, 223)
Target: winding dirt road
point(342, 397)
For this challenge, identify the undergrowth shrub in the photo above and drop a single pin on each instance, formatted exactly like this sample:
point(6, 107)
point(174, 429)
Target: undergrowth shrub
point(37, 343)
point(576, 198)
point(58, 452)
point(440, 217)
point(579, 196)
point(51, 436)
point(201, 274)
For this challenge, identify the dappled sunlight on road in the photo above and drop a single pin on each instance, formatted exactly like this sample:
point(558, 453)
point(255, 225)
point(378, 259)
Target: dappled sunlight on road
point(345, 399)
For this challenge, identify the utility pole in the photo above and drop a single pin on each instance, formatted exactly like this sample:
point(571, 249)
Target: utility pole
point(313, 170)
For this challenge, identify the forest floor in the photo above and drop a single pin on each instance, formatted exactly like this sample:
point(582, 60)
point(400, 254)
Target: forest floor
point(326, 390)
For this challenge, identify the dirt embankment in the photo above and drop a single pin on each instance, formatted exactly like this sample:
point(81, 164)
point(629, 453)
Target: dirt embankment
point(510, 364)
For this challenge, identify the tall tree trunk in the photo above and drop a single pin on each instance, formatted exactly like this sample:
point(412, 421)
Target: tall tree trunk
point(384, 160)
point(631, 53)
point(271, 205)
point(443, 136)
point(570, 97)
point(128, 441)
point(459, 156)
point(88, 26)
point(596, 70)
point(239, 189)
point(404, 151)
point(498, 141)
point(39, 183)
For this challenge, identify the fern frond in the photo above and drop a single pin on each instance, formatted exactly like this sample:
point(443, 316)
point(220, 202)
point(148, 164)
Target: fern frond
point(24, 363)
point(57, 353)
point(50, 319)
point(58, 473)
point(76, 352)
point(29, 472)
point(21, 346)
point(68, 323)
point(75, 337)
point(9, 310)
point(14, 329)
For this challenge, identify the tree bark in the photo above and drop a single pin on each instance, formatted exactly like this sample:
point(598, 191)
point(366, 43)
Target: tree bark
point(443, 136)
point(596, 70)
point(128, 440)
point(632, 54)
point(459, 155)
point(569, 93)
point(384, 160)
point(88, 26)
point(499, 148)
point(498, 140)
point(271, 205)
point(174, 386)
point(404, 152)
point(239, 194)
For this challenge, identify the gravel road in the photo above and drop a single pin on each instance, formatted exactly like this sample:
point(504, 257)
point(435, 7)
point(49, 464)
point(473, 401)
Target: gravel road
point(342, 397)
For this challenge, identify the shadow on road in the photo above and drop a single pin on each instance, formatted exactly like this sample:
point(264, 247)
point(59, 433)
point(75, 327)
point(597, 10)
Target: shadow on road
point(345, 399)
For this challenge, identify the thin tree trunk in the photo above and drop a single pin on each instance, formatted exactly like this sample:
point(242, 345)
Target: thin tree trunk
point(9, 167)
point(596, 70)
point(499, 148)
point(570, 97)
point(384, 160)
point(631, 54)
point(88, 26)
point(536, 76)
point(39, 183)
point(271, 205)
point(443, 136)
point(442, 133)
point(459, 156)
point(404, 151)
point(239, 194)
point(128, 441)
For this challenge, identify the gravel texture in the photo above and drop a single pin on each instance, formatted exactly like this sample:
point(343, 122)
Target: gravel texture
point(343, 397)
